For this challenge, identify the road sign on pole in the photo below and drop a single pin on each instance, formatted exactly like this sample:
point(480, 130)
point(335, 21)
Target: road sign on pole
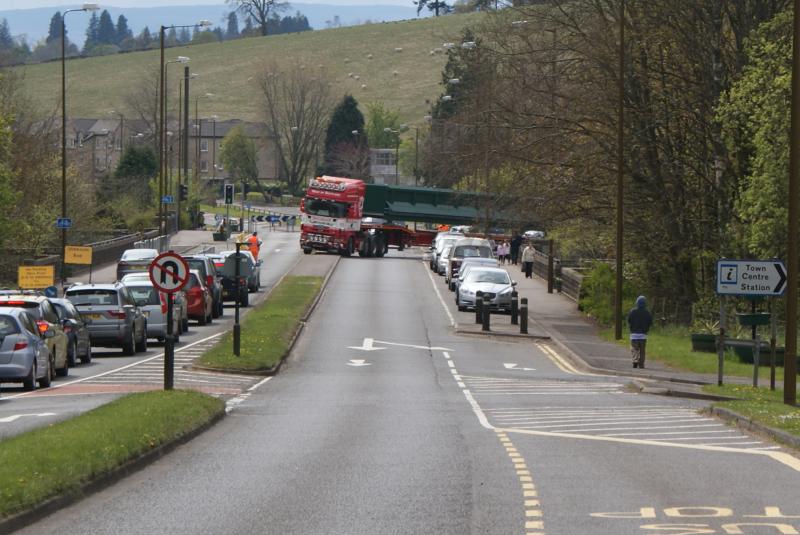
point(169, 273)
point(751, 277)
point(63, 222)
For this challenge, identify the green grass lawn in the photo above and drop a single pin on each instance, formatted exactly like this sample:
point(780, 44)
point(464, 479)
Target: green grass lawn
point(266, 330)
point(60, 458)
point(761, 405)
point(403, 80)
point(673, 347)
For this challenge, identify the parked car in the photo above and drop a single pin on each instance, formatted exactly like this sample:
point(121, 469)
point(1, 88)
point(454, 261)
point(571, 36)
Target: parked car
point(48, 323)
point(24, 355)
point(212, 279)
point(154, 307)
point(80, 343)
point(493, 282)
point(112, 316)
point(200, 302)
point(178, 298)
point(533, 234)
point(441, 239)
point(468, 264)
point(441, 262)
point(135, 260)
point(462, 249)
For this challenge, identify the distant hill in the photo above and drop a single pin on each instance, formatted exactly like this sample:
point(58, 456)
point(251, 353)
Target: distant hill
point(397, 63)
point(33, 23)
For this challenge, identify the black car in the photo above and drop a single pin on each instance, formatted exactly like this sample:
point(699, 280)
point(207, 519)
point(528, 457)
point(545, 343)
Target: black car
point(205, 266)
point(80, 344)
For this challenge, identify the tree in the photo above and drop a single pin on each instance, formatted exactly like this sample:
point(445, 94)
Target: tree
point(378, 119)
point(137, 166)
point(7, 195)
point(206, 36)
point(232, 31)
point(437, 6)
point(297, 106)
point(92, 32)
point(106, 32)
point(239, 156)
point(260, 11)
point(122, 31)
point(345, 130)
point(56, 26)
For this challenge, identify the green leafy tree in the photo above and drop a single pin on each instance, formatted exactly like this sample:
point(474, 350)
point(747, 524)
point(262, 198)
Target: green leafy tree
point(122, 32)
point(379, 118)
point(136, 168)
point(7, 195)
point(232, 31)
point(56, 25)
point(92, 33)
point(345, 136)
point(438, 7)
point(106, 32)
point(239, 156)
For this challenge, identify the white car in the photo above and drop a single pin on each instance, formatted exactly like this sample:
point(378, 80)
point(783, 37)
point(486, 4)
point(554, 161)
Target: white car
point(533, 234)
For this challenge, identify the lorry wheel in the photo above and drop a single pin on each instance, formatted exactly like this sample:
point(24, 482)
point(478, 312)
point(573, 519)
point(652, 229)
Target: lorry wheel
point(348, 250)
point(363, 248)
point(380, 248)
point(306, 250)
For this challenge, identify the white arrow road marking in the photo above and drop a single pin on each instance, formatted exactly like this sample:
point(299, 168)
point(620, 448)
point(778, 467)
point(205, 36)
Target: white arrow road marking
point(14, 417)
point(513, 366)
point(354, 362)
point(366, 346)
point(277, 250)
point(427, 348)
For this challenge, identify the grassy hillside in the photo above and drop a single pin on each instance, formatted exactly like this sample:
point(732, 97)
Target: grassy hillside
point(97, 85)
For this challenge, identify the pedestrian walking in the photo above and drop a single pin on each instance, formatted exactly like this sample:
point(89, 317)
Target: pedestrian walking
point(527, 260)
point(516, 244)
point(639, 322)
point(507, 252)
point(254, 244)
point(501, 253)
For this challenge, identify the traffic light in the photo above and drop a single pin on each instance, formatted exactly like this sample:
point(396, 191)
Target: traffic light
point(183, 192)
point(228, 193)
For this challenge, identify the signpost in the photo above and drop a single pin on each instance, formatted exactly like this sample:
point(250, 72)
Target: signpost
point(752, 279)
point(169, 273)
point(33, 277)
point(63, 222)
point(74, 254)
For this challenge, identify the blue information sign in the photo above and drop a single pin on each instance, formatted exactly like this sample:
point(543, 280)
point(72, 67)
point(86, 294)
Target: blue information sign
point(63, 222)
point(168, 199)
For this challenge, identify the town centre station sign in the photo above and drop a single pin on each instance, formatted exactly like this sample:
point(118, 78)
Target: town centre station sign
point(751, 277)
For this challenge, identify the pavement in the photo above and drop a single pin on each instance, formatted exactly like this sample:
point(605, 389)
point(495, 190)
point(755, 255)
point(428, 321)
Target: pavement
point(556, 316)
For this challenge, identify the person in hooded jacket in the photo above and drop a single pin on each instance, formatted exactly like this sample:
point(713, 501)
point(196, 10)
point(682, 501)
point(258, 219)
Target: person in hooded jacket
point(639, 322)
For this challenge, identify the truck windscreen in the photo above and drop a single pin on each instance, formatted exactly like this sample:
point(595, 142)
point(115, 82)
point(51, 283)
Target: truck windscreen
point(325, 208)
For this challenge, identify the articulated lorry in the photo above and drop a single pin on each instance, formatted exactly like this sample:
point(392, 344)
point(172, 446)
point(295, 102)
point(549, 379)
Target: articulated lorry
point(346, 215)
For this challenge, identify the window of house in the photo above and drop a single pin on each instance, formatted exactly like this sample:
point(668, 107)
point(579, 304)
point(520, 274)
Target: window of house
point(203, 145)
point(203, 166)
point(384, 158)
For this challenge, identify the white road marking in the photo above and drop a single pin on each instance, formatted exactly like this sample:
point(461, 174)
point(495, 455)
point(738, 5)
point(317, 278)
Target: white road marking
point(14, 417)
point(513, 366)
point(366, 345)
point(241, 398)
point(439, 295)
point(354, 362)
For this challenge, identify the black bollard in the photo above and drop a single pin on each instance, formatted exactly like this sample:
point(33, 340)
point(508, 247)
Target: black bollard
point(523, 316)
point(514, 308)
point(479, 307)
point(487, 313)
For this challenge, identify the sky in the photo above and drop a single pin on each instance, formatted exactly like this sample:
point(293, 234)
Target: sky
point(29, 4)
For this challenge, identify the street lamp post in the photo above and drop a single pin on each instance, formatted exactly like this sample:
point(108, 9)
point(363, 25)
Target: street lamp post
point(199, 126)
point(620, 173)
point(162, 119)
point(396, 153)
point(85, 7)
point(165, 161)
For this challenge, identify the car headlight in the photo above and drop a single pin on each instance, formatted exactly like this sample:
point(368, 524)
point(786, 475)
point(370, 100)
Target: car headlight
point(507, 291)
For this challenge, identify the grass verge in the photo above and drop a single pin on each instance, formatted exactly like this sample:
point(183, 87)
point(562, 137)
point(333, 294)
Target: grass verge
point(760, 405)
point(673, 347)
point(62, 457)
point(267, 330)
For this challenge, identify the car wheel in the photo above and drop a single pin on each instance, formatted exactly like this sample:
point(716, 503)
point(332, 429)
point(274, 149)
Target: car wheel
point(451, 286)
point(63, 372)
point(210, 317)
point(129, 346)
point(185, 324)
point(87, 358)
point(47, 380)
point(221, 308)
point(29, 383)
point(176, 339)
point(245, 300)
point(215, 309)
point(202, 320)
point(141, 344)
point(72, 353)
point(306, 250)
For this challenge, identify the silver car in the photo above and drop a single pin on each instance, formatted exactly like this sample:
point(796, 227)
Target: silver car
point(463, 249)
point(470, 263)
point(441, 262)
point(112, 315)
point(135, 260)
point(179, 298)
point(153, 305)
point(493, 282)
point(24, 355)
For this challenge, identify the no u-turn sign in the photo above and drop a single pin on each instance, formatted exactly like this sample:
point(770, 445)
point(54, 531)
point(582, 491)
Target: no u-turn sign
point(169, 272)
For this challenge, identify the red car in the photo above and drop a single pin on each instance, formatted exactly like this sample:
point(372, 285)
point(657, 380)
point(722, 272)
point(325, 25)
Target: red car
point(199, 300)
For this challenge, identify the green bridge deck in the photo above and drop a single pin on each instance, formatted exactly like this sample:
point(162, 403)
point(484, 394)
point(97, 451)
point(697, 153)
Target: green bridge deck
point(423, 205)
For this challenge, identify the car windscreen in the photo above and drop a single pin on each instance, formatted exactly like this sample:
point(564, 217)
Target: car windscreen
point(197, 263)
point(7, 326)
point(62, 311)
point(93, 297)
point(489, 277)
point(325, 208)
point(468, 251)
point(144, 295)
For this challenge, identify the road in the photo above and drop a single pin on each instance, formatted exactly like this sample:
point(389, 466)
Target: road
point(385, 421)
point(111, 374)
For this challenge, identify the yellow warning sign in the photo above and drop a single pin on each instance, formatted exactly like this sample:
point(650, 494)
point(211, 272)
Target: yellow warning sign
point(74, 254)
point(36, 276)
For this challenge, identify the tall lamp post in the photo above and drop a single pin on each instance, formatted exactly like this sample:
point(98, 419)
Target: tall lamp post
point(85, 7)
point(165, 161)
point(199, 133)
point(162, 118)
point(396, 153)
point(620, 172)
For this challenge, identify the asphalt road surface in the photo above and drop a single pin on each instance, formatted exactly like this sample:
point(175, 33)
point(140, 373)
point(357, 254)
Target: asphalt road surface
point(110, 374)
point(385, 421)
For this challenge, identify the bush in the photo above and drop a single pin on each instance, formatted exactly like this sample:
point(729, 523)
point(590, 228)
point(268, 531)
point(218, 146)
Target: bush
point(597, 293)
